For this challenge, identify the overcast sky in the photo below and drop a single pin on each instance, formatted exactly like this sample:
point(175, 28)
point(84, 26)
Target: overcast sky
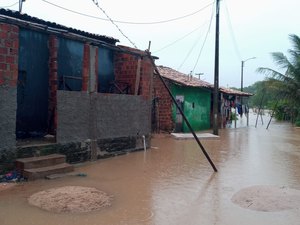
point(248, 28)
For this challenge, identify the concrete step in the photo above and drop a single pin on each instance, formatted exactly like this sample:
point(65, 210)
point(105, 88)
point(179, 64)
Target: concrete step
point(36, 173)
point(40, 161)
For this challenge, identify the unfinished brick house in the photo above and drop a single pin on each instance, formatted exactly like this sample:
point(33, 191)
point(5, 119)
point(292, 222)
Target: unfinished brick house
point(70, 92)
point(195, 98)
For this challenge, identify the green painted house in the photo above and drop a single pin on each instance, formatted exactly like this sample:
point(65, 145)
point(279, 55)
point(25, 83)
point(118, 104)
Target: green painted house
point(196, 106)
point(192, 94)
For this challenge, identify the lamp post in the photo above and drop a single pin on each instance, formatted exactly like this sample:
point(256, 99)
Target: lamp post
point(242, 77)
point(242, 70)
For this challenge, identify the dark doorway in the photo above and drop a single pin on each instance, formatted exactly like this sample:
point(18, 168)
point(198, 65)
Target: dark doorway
point(179, 119)
point(69, 65)
point(33, 83)
point(105, 70)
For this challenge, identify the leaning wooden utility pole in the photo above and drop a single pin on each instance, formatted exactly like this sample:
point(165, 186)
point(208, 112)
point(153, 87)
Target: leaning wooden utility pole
point(181, 112)
point(216, 80)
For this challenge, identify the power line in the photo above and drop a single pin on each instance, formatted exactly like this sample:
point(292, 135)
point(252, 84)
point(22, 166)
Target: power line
point(196, 44)
point(10, 5)
point(97, 4)
point(131, 22)
point(179, 39)
point(236, 48)
point(211, 18)
point(190, 51)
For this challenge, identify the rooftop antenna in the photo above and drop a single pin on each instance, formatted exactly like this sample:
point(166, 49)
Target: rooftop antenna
point(199, 74)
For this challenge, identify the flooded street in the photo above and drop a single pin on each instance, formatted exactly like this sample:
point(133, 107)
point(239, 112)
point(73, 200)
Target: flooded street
point(172, 183)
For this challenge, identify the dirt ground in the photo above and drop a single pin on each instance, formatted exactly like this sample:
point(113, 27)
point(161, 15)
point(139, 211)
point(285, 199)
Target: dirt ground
point(5, 186)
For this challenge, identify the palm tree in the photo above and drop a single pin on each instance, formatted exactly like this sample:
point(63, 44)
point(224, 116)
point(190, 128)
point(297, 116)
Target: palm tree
point(286, 84)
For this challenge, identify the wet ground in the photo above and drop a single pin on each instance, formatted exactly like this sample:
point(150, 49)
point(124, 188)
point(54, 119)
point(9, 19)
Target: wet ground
point(172, 183)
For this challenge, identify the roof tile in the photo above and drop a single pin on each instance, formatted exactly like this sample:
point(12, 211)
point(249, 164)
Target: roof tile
point(190, 81)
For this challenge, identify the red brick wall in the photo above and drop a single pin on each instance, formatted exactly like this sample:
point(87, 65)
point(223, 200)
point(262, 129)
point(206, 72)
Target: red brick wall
point(53, 83)
point(85, 67)
point(96, 69)
point(126, 70)
point(9, 46)
point(164, 105)
point(146, 82)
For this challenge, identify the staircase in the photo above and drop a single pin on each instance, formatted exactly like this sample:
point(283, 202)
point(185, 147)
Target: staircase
point(42, 166)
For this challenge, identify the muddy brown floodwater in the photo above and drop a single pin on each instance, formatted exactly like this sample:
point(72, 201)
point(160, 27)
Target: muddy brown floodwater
point(174, 184)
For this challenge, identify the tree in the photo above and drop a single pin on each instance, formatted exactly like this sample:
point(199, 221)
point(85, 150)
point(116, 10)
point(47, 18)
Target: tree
point(286, 84)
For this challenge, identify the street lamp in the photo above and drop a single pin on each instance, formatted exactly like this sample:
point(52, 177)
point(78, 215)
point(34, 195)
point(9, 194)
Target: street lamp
point(242, 70)
point(242, 76)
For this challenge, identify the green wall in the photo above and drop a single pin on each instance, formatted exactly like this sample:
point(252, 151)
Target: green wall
point(199, 115)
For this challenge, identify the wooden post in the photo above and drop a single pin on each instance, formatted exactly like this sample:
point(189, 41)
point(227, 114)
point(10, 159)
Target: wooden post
point(235, 116)
point(222, 111)
point(248, 115)
point(137, 77)
point(182, 113)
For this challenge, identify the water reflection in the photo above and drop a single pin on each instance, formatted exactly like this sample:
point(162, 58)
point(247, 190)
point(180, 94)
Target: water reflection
point(174, 184)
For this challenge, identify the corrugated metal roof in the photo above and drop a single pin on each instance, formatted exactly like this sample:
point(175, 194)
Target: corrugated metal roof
point(190, 81)
point(16, 17)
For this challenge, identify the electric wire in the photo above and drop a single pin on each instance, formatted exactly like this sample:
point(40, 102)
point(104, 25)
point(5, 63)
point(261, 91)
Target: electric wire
point(97, 4)
point(211, 18)
point(236, 48)
point(179, 39)
point(195, 43)
point(9, 5)
point(131, 22)
point(190, 51)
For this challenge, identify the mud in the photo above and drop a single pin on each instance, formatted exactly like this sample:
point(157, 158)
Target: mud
point(172, 183)
point(70, 199)
point(268, 198)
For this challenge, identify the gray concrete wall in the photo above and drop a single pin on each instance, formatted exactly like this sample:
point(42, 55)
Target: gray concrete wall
point(72, 116)
point(122, 116)
point(8, 108)
point(84, 116)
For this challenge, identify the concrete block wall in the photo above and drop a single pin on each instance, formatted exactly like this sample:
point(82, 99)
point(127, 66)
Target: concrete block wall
point(72, 116)
point(9, 45)
point(131, 116)
point(80, 114)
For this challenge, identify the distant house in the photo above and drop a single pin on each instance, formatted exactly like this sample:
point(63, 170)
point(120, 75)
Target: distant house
point(194, 97)
point(80, 92)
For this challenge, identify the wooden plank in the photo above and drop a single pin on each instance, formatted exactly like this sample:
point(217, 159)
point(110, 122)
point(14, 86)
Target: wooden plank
point(137, 77)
